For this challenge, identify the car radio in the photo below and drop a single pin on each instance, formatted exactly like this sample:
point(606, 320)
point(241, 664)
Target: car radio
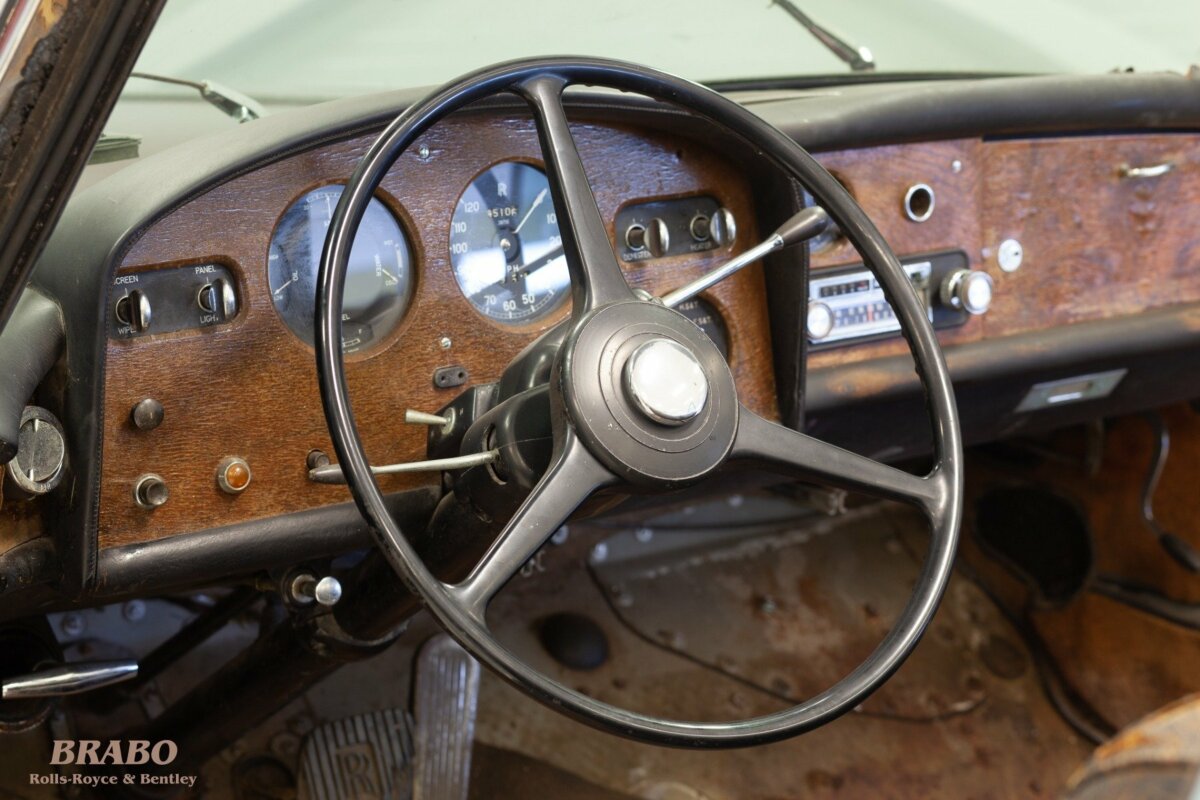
point(848, 304)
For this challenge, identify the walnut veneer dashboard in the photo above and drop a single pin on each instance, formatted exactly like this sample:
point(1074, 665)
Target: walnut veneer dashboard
point(1108, 270)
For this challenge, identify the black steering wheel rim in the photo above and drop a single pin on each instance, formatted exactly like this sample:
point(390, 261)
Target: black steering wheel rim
point(939, 494)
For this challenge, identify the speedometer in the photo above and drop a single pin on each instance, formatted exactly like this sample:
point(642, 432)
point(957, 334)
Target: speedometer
point(379, 280)
point(505, 247)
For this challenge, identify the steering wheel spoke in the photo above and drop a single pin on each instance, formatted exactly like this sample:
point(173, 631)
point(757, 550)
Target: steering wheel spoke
point(573, 477)
point(596, 277)
point(791, 452)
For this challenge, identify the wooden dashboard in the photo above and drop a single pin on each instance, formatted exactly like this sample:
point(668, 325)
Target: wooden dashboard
point(1096, 245)
point(249, 388)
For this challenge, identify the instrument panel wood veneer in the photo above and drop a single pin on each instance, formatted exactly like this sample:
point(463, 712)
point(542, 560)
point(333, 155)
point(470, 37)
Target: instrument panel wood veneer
point(1096, 244)
point(249, 388)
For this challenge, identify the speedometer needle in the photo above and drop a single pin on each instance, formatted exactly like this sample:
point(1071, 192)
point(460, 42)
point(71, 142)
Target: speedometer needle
point(524, 270)
point(537, 201)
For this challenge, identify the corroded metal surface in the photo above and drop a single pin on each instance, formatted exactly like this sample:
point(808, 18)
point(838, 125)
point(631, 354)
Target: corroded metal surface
point(1156, 759)
point(748, 628)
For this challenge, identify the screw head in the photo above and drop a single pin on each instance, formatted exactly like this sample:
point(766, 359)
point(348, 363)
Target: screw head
point(445, 342)
point(1009, 255)
point(134, 610)
point(73, 624)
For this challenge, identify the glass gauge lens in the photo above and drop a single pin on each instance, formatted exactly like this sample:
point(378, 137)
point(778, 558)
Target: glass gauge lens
point(707, 319)
point(505, 248)
point(379, 278)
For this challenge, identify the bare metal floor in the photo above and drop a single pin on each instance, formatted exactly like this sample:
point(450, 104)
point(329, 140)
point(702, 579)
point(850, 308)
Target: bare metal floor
point(723, 632)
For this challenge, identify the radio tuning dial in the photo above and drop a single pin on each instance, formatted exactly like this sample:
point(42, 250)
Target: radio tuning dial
point(819, 323)
point(966, 289)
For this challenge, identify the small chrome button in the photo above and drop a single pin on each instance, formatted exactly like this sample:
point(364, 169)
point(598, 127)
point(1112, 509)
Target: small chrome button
point(666, 382)
point(150, 491)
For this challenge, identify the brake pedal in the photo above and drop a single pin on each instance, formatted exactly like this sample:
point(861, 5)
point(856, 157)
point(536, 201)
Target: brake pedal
point(447, 695)
point(365, 757)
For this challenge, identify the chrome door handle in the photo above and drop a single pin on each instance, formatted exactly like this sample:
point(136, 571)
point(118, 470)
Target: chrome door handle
point(1156, 171)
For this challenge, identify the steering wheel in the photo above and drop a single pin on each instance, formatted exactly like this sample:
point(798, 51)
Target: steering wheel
point(615, 420)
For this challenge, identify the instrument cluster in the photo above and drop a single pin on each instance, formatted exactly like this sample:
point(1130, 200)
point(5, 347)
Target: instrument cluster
point(505, 251)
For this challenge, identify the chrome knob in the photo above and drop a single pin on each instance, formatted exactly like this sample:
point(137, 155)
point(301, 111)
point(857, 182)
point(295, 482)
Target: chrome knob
point(723, 227)
point(326, 591)
point(666, 382)
point(819, 322)
point(39, 465)
point(657, 237)
point(967, 289)
point(150, 491)
point(134, 310)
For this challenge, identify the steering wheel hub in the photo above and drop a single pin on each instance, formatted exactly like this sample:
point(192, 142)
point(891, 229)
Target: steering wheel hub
point(649, 394)
point(665, 382)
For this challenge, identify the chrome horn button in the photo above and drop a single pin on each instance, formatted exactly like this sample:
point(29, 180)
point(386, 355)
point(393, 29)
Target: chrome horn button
point(665, 381)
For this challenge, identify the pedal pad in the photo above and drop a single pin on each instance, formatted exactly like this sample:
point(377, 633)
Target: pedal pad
point(364, 757)
point(447, 695)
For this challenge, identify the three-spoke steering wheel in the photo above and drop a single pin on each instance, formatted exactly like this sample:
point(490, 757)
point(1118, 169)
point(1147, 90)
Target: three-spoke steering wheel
point(614, 417)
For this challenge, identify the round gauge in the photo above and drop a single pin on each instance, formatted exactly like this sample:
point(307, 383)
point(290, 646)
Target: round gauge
point(379, 278)
point(707, 319)
point(505, 248)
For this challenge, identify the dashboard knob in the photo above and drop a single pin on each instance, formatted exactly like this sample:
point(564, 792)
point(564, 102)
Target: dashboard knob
point(658, 237)
point(134, 310)
point(147, 414)
point(217, 296)
point(967, 289)
point(40, 462)
point(820, 321)
point(723, 227)
point(307, 588)
point(150, 491)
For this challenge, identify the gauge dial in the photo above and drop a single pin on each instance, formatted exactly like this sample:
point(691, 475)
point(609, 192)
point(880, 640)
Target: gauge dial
point(707, 319)
point(379, 278)
point(505, 247)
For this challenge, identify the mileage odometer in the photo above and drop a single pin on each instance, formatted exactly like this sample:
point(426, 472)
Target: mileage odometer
point(505, 247)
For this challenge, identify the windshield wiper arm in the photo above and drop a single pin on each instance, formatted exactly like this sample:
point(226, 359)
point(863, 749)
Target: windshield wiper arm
point(241, 107)
point(859, 58)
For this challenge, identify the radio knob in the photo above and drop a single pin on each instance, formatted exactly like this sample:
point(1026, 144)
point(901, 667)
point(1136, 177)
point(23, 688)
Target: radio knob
point(819, 323)
point(966, 289)
point(658, 237)
point(723, 227)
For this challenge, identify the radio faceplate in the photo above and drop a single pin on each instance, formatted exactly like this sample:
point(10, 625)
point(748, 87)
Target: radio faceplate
point(847, 304)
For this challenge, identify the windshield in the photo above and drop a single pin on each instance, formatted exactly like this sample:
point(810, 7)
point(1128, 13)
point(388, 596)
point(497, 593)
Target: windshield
point(294, 52)
point(312, 50)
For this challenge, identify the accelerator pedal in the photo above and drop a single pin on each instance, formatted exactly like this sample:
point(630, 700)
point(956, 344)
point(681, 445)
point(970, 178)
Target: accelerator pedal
point(364, 757)
point(447, 695)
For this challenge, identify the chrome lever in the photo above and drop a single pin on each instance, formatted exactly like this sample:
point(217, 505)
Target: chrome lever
point(332, 473)
point(68, 679)
point(804, 225)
